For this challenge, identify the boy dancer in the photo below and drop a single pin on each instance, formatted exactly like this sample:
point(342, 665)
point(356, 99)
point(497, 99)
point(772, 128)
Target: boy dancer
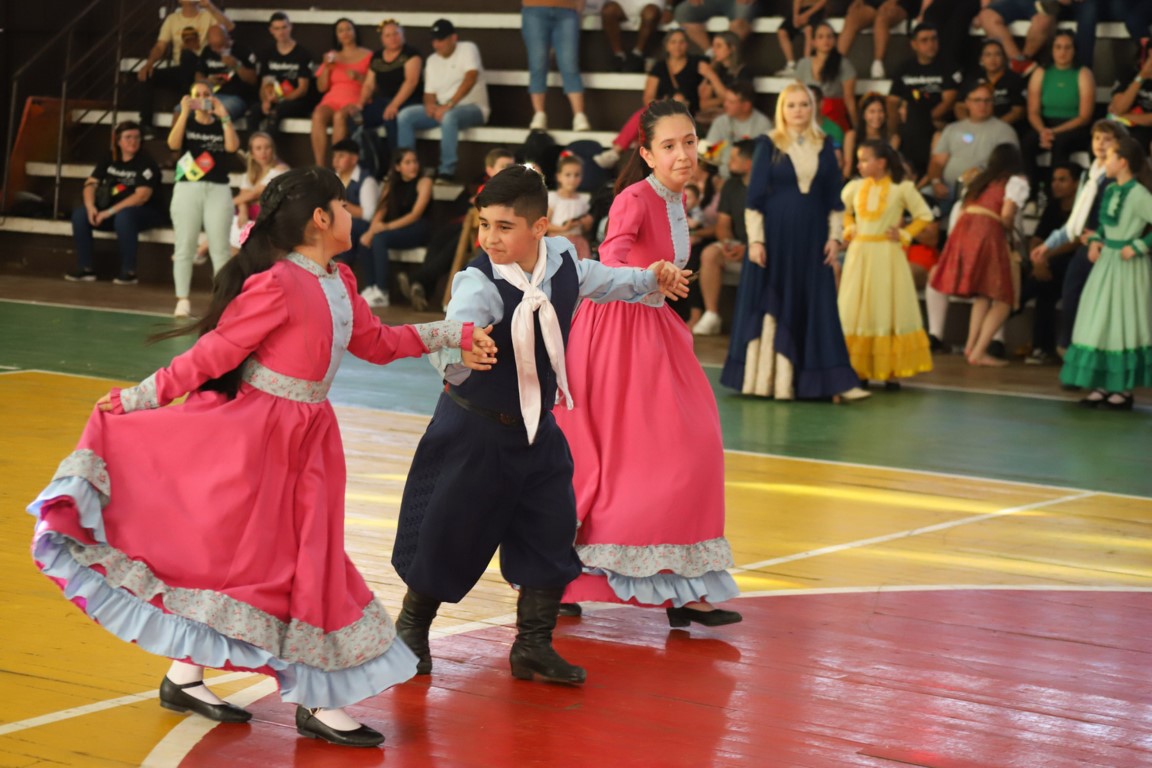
point(499, 420)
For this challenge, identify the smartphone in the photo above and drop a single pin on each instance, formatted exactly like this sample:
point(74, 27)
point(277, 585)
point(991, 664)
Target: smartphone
point(202, 104)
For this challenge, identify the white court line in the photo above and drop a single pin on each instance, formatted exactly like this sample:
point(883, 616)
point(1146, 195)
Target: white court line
point(58, 305)
point(909, 533)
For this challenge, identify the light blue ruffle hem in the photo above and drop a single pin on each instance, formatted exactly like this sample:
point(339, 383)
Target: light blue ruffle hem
point(176, 637)
point(713, 586)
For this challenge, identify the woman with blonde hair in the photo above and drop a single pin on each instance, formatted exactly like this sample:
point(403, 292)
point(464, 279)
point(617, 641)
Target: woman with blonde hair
point(263, 165)
point(787, 341)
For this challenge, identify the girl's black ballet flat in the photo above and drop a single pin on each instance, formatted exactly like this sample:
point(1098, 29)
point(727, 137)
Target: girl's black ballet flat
point(1118, 405)
point(682, 617)
point(308, 725)
point(174, 697)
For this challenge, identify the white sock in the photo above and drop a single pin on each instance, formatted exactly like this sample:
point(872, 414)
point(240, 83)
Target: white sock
point(182, 674)
point(999, 335)
point(336, 718)
point(937, 305)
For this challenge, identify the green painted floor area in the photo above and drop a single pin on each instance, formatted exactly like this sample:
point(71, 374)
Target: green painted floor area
point(1000, 437)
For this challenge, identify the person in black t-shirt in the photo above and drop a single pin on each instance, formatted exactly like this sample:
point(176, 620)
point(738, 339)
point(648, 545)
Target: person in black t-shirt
point(119, 196)
point(285, 72)
point(230, 70)
point(927, 91)
point(1132, 102)
point(1009, 90)
point(395, 80)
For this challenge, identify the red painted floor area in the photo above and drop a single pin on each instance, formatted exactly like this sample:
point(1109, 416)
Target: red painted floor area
point(941, 679)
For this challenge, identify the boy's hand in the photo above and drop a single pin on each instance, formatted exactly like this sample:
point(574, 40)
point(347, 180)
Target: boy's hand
point(482, 356)
point(673, 282)
point(105, 403)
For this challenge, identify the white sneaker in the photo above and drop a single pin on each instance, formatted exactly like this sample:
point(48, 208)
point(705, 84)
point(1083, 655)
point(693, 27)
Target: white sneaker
point(788, 71)
point(580, 122)
point(375, 297)
point(183, 308)
point(878, 70)
point(608, 158)
point(539, 122)
point(707, 325)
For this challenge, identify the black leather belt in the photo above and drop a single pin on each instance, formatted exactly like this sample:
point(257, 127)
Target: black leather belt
point(506, 419)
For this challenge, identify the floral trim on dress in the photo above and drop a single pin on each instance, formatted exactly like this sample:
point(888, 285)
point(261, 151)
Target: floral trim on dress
point(140, 397)
point(677, 221)
point(689, 560)
point(282, 385)
point(443, 334)
point(368, 637)
point(313, 267)
point(88, 465)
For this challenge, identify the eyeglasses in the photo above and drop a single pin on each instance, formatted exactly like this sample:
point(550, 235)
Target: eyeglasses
point(981, 101)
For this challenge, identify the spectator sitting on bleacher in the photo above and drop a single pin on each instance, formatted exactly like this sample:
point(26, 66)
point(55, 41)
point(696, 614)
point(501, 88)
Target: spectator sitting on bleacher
point(440, 255)
point(927, 90)
point(361, 191)
point(729, 68)
point(263, 166)
point(647, 15)
point(806, 14)
point(119, 195)
point(553, 25)
point(1061, 101)
point(341, 79)
point(1132, 101)
point(395, 80)
point(568, 207)
point(999, 15)
point(881, 15)
point(834, 74)
point(1046, 277)
point(727, 253)
point(873, 127)
point(285, 70)
point(693, 16)
point(181, 31)
point(965, 146)
point(230, 70)
point(679, 75)
point(400, 221)
point(741, 120)
point(201, 197)
point(455, 96)
point(954, 15)
point(1009, 90)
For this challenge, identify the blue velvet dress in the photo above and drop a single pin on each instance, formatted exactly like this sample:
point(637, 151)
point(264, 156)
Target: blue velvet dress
point(795, 288)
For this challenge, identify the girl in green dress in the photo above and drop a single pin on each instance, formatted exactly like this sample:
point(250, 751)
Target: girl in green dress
point(1111, 350)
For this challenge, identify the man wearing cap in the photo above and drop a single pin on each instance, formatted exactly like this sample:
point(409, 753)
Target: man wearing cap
point(181, 32)
point(455, 97)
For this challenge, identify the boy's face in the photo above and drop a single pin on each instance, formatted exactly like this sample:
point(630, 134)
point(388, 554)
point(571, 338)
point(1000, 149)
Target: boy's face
point(344, 162)
point(500, 165)
point(1102, 141)
point(509, 238)
point(1063, 184)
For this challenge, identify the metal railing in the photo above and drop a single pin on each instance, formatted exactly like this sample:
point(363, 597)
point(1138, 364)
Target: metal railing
point(91, 75)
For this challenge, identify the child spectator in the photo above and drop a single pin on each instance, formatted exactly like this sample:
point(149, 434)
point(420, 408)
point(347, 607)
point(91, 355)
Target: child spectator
point(727, 253)
point(1111, 348)
point(263, 166)
point(806, 14)
point(646, 14)
point(568, 206)
point(230, 70)
point(361, 192)
point(878, 305)
point(118, 196)
point(977, 262)
point(881, 15)
point(341, 79)
point(285, 70)
point(400, 221)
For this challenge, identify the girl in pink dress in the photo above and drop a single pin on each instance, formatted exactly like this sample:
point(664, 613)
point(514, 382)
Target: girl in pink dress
point(649, 492)
point(212, 532)
point(341, 79)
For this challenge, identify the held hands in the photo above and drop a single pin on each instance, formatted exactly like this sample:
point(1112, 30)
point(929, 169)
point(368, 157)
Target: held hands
point(105, 403)
point(757, 254)
point(672, 282)
point(482, 356)
point(1038, 254)
point(1094, 250)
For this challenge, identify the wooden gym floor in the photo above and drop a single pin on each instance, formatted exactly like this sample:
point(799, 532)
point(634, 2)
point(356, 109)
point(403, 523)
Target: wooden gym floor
point(959, 574)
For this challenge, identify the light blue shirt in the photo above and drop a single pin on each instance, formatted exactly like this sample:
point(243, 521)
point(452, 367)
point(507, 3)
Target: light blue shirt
point(476, 299)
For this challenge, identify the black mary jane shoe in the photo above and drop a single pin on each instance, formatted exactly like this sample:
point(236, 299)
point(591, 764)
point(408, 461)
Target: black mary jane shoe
point(308, 725)
point(571, 609)
point(1125, 402)
point(1095, 399)
point(892, 385)
point(174, 697)
point(682, 617)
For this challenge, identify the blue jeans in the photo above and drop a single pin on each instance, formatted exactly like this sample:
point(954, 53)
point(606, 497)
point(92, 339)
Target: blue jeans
point(558, 29)
point(128, 224)
point(376, 268)
point(414, 118)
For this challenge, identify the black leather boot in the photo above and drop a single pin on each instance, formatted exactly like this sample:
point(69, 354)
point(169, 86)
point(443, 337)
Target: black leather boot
point(412, 627)
point(532, 654)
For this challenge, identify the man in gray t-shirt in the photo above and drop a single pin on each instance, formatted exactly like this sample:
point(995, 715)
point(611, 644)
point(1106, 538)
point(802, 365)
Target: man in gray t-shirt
point(740, 121)
point(967, 144)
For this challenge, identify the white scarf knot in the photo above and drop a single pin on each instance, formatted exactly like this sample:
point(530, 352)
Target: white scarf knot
point(535, 301)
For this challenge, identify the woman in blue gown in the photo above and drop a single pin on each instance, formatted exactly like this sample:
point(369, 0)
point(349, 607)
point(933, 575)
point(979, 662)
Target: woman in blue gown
point(787, 341)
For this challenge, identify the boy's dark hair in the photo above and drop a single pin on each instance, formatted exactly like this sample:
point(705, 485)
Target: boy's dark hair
point(746, 148)
point(924, 26)
point(279, 16)
point(494, 155)
point(518, 187)
point(743, 89)
point(1073, 168)
point(1114, 129)
point(347, 145)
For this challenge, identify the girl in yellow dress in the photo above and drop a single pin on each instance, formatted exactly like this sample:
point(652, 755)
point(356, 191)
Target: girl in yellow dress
point(878, 305)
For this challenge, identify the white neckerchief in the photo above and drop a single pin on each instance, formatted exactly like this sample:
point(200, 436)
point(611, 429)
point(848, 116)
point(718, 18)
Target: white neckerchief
point(524, 338)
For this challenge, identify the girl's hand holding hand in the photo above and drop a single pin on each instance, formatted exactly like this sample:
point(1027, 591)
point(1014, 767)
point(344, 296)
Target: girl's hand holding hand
point(105, 403)
point(482, 356)
point(673, 282)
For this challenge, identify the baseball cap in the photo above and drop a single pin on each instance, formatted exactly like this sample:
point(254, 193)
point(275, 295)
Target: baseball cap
point(442, 28)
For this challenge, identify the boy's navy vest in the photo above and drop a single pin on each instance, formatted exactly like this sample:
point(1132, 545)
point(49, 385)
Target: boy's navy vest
point(1093, 221)
point(498, 389)
point(352, 191)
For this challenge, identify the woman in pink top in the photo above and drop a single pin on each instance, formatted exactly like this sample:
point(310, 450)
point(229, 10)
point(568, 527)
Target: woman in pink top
point(649, 492)
point(212, 532)
point(341, 80)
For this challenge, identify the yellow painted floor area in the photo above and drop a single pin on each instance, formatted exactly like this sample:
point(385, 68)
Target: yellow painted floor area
point(793, 524)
